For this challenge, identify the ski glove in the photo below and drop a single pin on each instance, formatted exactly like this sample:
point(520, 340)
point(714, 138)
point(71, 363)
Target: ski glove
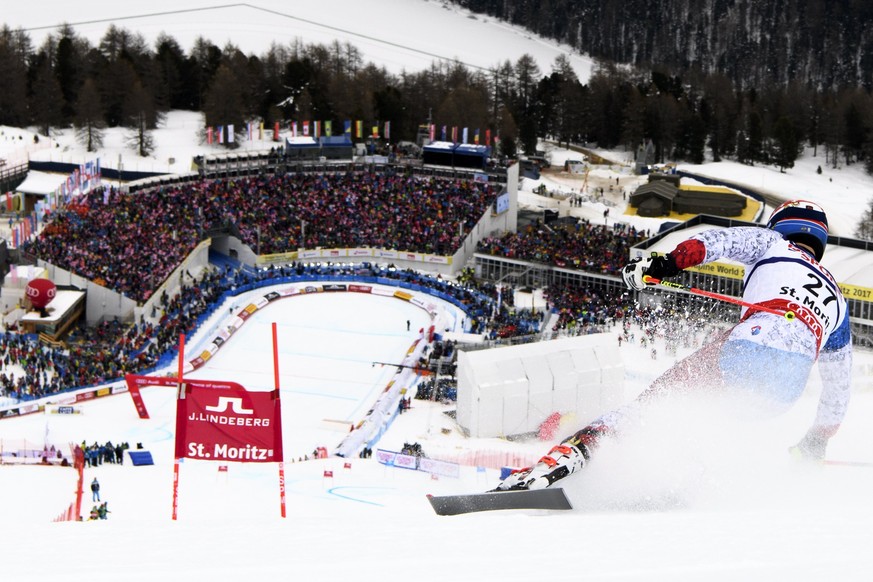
point(656, 266)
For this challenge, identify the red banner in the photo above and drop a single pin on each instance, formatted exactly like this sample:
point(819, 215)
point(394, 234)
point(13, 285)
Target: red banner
point(134, 383)
point(222, 421)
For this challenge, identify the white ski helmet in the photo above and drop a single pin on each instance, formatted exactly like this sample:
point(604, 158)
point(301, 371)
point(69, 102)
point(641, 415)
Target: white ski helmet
point(802, 222)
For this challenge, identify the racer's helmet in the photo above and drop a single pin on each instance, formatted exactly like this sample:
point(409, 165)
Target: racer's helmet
point(802, 222)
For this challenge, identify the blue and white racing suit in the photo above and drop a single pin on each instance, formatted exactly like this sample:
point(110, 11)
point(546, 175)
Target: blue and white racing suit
point(771, 354)
point(766, 356)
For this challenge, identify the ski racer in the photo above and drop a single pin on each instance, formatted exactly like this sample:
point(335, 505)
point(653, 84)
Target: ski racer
point(782, 274)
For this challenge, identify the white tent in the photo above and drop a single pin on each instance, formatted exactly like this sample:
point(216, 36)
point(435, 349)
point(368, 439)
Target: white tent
point(511, 390)
point(42, 183)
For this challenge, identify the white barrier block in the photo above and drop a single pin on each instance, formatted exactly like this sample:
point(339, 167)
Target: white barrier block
point(511, 390)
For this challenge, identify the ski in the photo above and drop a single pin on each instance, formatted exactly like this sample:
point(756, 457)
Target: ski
point(554, 499)
point(847, 463)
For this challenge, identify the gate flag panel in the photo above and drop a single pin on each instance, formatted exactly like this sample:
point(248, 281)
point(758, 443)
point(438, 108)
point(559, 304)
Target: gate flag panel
point(222, 421)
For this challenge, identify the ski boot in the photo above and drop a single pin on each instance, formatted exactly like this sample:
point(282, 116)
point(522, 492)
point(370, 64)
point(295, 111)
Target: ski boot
point(561, 461)
point(812, 446)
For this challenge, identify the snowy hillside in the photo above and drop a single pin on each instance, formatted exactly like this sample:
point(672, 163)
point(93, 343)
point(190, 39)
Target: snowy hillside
point(687, 498)
point(399, 35)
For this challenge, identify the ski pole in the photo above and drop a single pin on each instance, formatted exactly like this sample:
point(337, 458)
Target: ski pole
point(789, 315)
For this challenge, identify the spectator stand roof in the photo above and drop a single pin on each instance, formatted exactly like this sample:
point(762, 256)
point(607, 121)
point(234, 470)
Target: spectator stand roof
point(446, 153)
point(63, 311)
point(64, 301)
point(307, 147)
point(42, 183)
point(336, 147)
point(302, 148)
point(335, 141)
point(300, 143)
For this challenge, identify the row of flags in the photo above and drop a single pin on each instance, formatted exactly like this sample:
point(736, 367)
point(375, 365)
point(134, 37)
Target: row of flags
point(462, 135)
point(221, 134)
point(353, 129)
point(82, 180)
point(22, 230)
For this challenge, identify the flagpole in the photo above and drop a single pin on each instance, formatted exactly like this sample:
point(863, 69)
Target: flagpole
point(177, 461)
point(276, 384)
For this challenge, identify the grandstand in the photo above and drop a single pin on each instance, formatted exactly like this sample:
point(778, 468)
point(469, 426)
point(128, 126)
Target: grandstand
point(140, 292)
point(312, 215)
point(227, 227)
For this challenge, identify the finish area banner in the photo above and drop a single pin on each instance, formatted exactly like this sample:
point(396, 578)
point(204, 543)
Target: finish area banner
point(222, 421)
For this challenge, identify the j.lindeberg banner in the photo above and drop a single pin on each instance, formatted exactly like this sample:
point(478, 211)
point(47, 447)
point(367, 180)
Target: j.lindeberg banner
point(222, 421)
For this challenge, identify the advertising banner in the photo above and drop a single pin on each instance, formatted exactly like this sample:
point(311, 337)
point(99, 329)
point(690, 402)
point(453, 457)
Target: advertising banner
point(222, 421)
point(135, 382)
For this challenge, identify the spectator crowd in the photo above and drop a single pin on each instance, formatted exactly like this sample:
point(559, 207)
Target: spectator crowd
point(132, 242)
point(108, 351)
point(582, 245)
point(96, 454)
point(101, 237)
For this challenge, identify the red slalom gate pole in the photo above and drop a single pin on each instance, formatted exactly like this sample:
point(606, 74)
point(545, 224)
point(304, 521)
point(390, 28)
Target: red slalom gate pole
point(276, 384)
point(176, 489)
point(789, 315)
point(80, 482)
point(177, 461)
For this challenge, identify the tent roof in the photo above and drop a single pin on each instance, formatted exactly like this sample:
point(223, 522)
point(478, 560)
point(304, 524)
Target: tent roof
point(460, 148)
point(41, 183)
point(336, 140)
point(300, 142)
point(659, 188)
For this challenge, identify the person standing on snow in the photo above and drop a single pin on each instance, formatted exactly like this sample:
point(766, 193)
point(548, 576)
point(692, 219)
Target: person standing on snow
point(95, 490)
point(782, 275)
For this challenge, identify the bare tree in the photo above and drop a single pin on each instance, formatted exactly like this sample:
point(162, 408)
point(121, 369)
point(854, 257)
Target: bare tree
point(865, 225)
